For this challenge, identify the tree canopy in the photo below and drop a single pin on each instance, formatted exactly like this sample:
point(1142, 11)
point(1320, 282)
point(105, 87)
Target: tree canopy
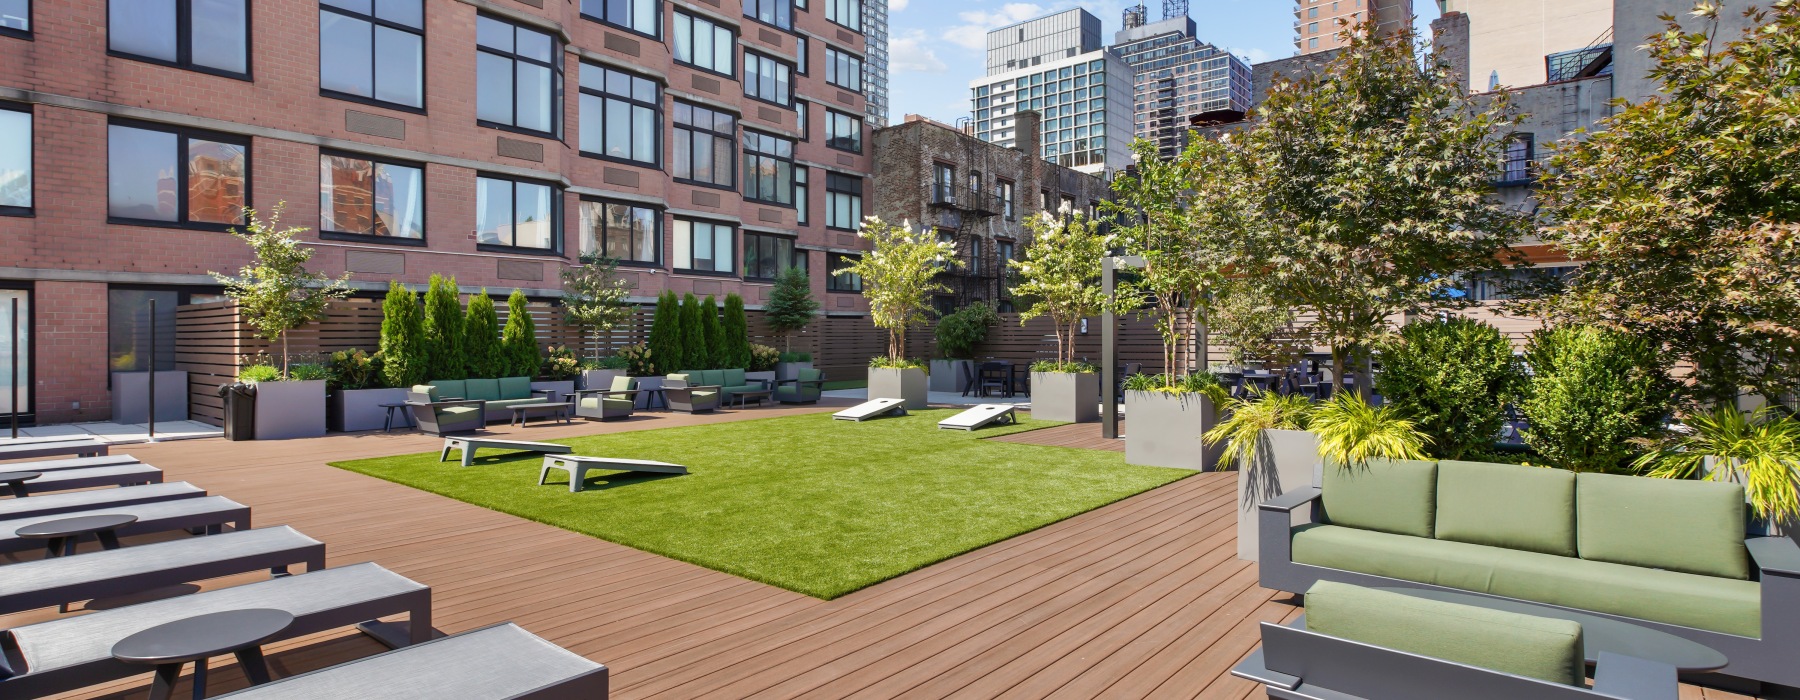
point(594, 297)
point(899, 274)
point(275, 293)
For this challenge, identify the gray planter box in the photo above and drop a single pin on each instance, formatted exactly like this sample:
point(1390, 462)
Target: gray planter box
point(290, 410)
point(790, 370)
point(563, 388)
point(905, 384)
point(351, 410)
point(1285, 460)
point(131, 396)
point(644, 385)
point(947, 375)
point(599, 378)
point(768, 375)
point(1065, 396)
point(1163, 430)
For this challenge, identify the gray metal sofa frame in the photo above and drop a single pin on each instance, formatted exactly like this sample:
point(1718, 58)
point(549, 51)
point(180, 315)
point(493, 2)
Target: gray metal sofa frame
point(1296, 664)
point(70, 479)
point(209, 514)
point(680, 396)
point(74, 652)
point(54, 504)
point(1773, 658)
point(46, 582)
point(425, 414)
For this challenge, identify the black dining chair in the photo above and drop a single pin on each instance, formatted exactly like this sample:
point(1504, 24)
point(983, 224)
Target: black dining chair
point(995, 375)
point(969, 380)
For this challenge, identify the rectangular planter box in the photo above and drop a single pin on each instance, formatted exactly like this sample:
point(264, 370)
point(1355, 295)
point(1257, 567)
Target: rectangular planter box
point(947, 375)
point(290, 410)
point(1163, 430)
point(352, 410)
point(790, 370)
point(1285, 460)
point(599, 378)
point(131, 396)
point(564, 388)
point(644, 385)
point(1065, 396)
point(905, 384)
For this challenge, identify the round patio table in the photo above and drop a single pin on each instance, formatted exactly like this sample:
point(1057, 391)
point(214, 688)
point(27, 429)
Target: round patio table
point(64, 534)
point(16, 481)
point(171, 645)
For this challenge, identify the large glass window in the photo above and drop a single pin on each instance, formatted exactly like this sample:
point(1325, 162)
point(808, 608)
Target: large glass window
point(768, 168)
point(704, 45)
point(628, 233)
point(800, 195)
point(362, 196)
point(15, 159)
point(766, 256)
point(705, 151)
point(843, 201)
point(703, 246)
point(641, 16)
point(15, 391)
point(1003, 189)
point(777, 12)
point(517, 214)
point(164, 175)
point(841, 281)
point(518, 76)
point(621, 115)
point(15, 18)
point(768, 79)
point(373, 50)
point(212, 36)
point(845, 12)
point(843, 131)
point(843, 69)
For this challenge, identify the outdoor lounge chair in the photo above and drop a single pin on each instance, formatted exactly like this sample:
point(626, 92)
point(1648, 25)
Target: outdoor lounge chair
point(70, 479)
point(496, 662)
point(805, 387)
point(683, 396)
point(63, 580)
point(39, 449)
point(74, 652)
point(731, 382)
point(41, 506)
point(59, 465)
point(607, 404)
point(436, 416)
point(209, 514)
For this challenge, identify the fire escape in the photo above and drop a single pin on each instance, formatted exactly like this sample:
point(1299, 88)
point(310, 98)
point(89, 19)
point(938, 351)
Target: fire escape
point(960, 213)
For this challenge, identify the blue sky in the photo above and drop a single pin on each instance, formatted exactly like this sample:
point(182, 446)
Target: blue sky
point(935, 46)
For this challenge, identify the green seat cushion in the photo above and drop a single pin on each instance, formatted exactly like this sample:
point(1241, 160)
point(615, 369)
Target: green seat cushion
point(426, 389)
point(482, 389)
point(1691, 526)
point(589, 401)
point(1506, 505)
point(1524, 645)
point(808, 375)
point(618, 403)
point(1704, 602)
point(462, 411)
point(503, 404)
point(515, 387)
point(1385, 495)
point(623, 383)
point(732, 377)
point(451, 388)
point(703, 394)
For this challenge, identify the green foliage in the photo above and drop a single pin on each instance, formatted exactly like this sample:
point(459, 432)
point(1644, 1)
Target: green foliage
point(1205, 383)
point(885, 362)
point(717, 355)
point(1453, 376)
point(594, 297)
point(638, 360)
point(1351, 432)
point(899, 274)
point(1073, 367)
point(1591, 393)
point(796, 356)
point(275, 293)
point(259, 373)
point(693, 335)
point(1248, 416)
point(763, 358)
point(308, 372)
point(354, 369)
point(481, 338)
point(1256, 324)
point(665, 336)
point(403, 360)
point(559, 363)
point(444, 330)
point(518, 343)
point(791, 306)
point(613, 361)
point(1760, 450)
point(1062, 269)
point(959, 332)
point(737, 333)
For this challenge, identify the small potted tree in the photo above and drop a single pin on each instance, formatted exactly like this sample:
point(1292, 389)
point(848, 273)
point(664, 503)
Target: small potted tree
point(1062, 271)
point(594, 301)
point(275, 294)
point(958, 334)
point(898, 278)
point(790, 309)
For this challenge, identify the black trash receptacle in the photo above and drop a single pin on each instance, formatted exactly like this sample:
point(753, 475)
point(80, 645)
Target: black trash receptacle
point(240, 410)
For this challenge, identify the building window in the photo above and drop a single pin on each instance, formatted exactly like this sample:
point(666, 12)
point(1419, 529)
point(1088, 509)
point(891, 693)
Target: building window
point(800, 195)
point(517, 214)
point(704, 45)
point(843, 69)
point(1003, 252)
point(843, 201)
point(800, 109)
point(1004, 190)
point(847, 13)
point(15, 160)
point(373, 54)
point(800, 5)
point(162, 175)
point(943, 183)
point(800, 55)
point(362, 196)
point(211, 36)
point(766, 256)
point(776, 12)
point(768, 168)
point(641, 16)
point(843, 131)
point(1516, 168)
point(518, 77)
point(842, 281)
point(768, 79)
point(15, 18)
point(628, 233)
point(704, 148)
point(703, 246)
point(621, 116)
point(1043, 200)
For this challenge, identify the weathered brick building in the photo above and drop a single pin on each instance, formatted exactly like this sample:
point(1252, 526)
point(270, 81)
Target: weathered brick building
point(706, 143)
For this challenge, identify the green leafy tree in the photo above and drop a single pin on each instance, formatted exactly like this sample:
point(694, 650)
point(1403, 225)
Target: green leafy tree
point(594, 298)
point(718, 355)
point(1256, 325)
point(1593, 392)
point(959, 332)
point(791, 306)
point(665, 334)
point(518, 343)
point(1062, 270)
point(899, 275)
point(275, 293)
point(403, 360)
point(737, 333)
point(444, 330)
point(1453, 377)
point(693, 334)
point(481, 338)
point(1685, 208)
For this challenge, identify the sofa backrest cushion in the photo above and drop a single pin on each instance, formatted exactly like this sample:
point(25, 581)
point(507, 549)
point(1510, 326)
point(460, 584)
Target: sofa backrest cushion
point(1695, 527)
point(515, 387)
point(622, 383)
point(678, 380)
point(483, 389)
point(450, 388)
point(712, 377)
point(1385, 495)
point(1522, 645)
point(430, 392)
point(733, 377)
point(810, 375)
point(1506, 505)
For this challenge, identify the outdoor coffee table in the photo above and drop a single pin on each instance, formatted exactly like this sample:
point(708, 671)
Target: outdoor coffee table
point(1598, 634)
point(525, 411)
point(16, 481)
point(759, 394)
point(63, 534)
point(171, 645)
point(578, 465)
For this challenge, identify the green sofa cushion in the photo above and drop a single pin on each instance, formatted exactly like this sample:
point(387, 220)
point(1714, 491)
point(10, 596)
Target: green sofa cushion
point(732, 377)
point(1523, 645)
point(482, 389)
point(712, 377)
point(1691, 526)
point(1705, 602)
point(1506, 505)
point(450, 388)
point(515, 387)
point(428, 390)
point(457, 410)
point(810, 375)
point(623, 383)
point(1396, 496)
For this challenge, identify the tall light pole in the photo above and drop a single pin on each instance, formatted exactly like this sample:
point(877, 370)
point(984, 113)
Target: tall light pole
point(1109, 341)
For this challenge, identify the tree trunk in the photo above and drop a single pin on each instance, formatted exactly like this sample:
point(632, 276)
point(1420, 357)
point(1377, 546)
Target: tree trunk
point(1338, 358)
point(284, 356)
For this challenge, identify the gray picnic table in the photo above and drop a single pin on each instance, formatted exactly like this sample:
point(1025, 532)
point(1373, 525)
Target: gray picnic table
point(469, 445)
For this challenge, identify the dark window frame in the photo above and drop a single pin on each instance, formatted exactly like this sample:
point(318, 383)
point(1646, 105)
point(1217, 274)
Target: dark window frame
point(729, 136)
point(30, 159)
point(183, 135)
point(600, 19)
point(424, 230)
point(556, 218)
point(30, 24)
point(747, 81)
point(1517, 171)
point(832, 180)
point(790, 8)
point(184, 47)
point(656, 148)
point(556, 80)
point(833, 260)
point(736, 234)
point(600, 236)
point(832, 54)
point(803, 117)
point(832, 142)
point(802, 195)
point(833, 4)
point(745, 153)
point(733, 31)
point(801, 49)
point(1006, 190)
point(795, 252)
point(424, 60)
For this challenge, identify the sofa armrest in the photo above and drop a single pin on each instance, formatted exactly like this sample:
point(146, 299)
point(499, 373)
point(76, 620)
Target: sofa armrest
point(1287, 502)
point(1633, 678)
point(1774, 555)
point(627, 393)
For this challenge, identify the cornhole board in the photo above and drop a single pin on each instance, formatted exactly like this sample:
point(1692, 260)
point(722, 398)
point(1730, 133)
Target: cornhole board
point(872, 408)
point(980, 416)
point(469, 445)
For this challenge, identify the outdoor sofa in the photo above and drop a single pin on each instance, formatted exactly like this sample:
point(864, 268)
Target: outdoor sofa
point(685, 393)
point(495, 394)
point(1668, 555)
point(731, 382)
point(806, 387)
point(607, 404)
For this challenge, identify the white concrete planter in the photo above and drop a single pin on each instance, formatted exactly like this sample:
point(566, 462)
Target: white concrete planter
point(1285, 460)
point(131, 396)
point(599, 378)
point(947, 375)
point(351, 410)
point(644, 385)
point(1163, 430)
point(905, 384)
point(563, 388)
point(1065, 396)
point(790, 370)
point(290, 409)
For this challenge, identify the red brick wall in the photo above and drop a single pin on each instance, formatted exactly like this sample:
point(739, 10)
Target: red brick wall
point(69, 325)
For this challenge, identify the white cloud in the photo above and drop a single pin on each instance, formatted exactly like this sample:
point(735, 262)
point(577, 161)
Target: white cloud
point(907, 53)
point(972, 33)
point(898, 5)
point(1253, 55)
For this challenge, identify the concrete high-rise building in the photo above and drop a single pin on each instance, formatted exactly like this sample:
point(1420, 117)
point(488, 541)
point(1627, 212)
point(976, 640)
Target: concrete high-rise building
point(1509, 40)
point(875, 61)
point(1316, 21)
point(1038, 41)
point(1085, 100)
point(1176, 76)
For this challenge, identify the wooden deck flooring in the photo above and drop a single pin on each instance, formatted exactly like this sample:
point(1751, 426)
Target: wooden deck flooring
point(1143, 598)
point(1079, 435)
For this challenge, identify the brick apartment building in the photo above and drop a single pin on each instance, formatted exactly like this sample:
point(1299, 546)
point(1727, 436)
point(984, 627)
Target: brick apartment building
point(707, 144)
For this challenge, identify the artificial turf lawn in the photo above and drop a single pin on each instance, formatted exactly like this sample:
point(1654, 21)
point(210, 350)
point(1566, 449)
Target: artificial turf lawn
point(810, 504)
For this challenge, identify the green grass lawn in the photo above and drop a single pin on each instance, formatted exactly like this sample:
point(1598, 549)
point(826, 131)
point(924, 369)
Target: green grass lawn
point(806, 503)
